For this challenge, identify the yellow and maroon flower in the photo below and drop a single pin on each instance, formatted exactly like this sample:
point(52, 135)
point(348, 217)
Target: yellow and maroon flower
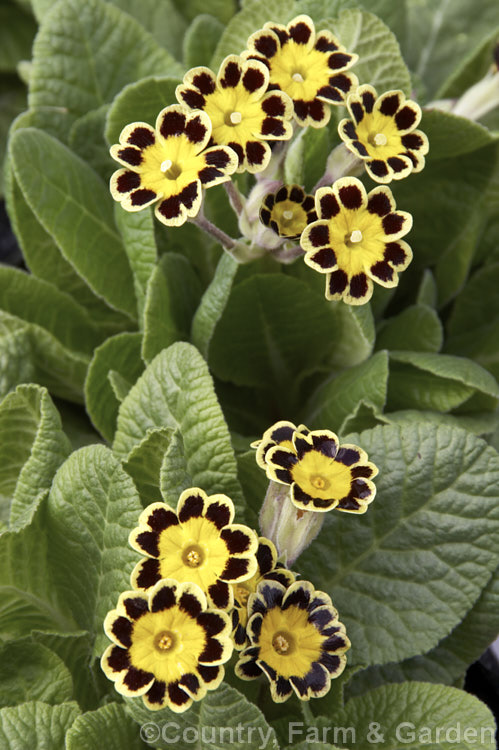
point(269, 569)
point(322, 474)
point(196, 542)
point(168, 647)
point(295, 639)
point(243, 113)
point(288, 211)
point(169, 164)
point(382, 132)
point(281, 433)
point(311, 67)
point(357, 240)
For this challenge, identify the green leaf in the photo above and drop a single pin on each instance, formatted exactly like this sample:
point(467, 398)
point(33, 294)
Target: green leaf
point(92, 506)
point(427, 292)
point(257, 341)
point(213, 303)
point(201, 40)
point(17, 30)
point(74, 205)
point(29, 463)
point(86, 138)
point(141, 101)
point(120, 354)
point(39, 302)
point(393, 14)
point(479, 423)
point(12, 103)
point(119, 384)
point(29, 598)
point(144, 464)
point(451, 135)
point(173, 294)
point(137, 232)
point(36, 724)
point(221, 9)
point(110, 721)
point(454, 265)
point(380, 60)
point(251, 18)
point(176, 391)
point(174, 473)
point(30, 671)
point(163, 20)
point(403, 575)
point(335, 402)
point(254, 482)
point(223, 709)
point(471, 69)
point(90, 71)
point(424, 380)
point(410, 715)
point(417, 328)
point(29, 353)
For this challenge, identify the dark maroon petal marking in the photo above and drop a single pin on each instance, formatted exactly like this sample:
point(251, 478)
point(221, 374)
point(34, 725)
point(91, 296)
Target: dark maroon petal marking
point(131, 155)
point(360, 489)
point(232, 75)
point(398, 165)
point(135, 607)
point(163, 599)
point(393, 223)
point(319, 235)
point(349, 130)
point(149, 574)
point(368, 101)
point(118, 659)
point(148, 541)
point(281, 33)
point(412, 141)
point(300, 495)
point(358, 285)
point(300, 32)
point(302, 446)
point(173, 123)
point(348, 456)
point(156, 692)
point(161, 519)
point(189, 195)
point(266, 45)
point(282, 194)
point(382, 270)
point(218, 158)
point(316, 110)
point(255, 152)
point(337, 282)
point(220, 595)
point(274, 106)
point(269, 201)
point(211, 622)
point(308, 203)
point(190, 604)
point(301, 109)
point(284, 459)
point(330, 661)
point(273, 126)
point(395, 253)
point(284, 475)
point(264, 558)
point(300, 598)
point(190, 682)
point(236, 540)
point(325, 445)
point(195, 130)
point(209, 174)
point(141, 137)
point(405, 118)
point(325, 257)
point(235, 568)
point(412, 157)
point(360, 148)
point(265, 216)
point(339, 60)
point(330, 93)
point(193, 99)
point(253, 79)
point(192, 507)
point(219, 514)
point(378, 168)
point(351, 196)
point(379, 204)
point(362, 471)
point(209, 674)
point(348, 503)
point(250, 669)
point(135, 679)
point(204, 82)
point(324, 44)
point(342, 82)
point(357, 111)
point(390, 105)
point(142, 196)
point(127, 181)
point(122, 630)
point(176, 695)
point(274, 226)
point(170, 208)
point(238, 149)
point(284, 432)
point(213, 650)
point(329, 206)
point(296, 194)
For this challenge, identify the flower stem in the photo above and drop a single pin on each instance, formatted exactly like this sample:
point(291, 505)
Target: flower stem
point(234, 197)
point(228, 243)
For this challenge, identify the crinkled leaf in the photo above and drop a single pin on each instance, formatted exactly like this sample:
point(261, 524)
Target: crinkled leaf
point(454, 265)
point(431, 533)
point(174, 473)
point(92, 507)
point(137, 232)
point(30, 671)
point(144, 464)
point(213, 303)
point(17, 30)
point(417, 328)
point(163, 20)
point(141, 101)
point(427, 292)
point(86, 138)
point(110, 721)
point(221, 9)
point(36, 724)
point(201, 39)
point(451, 135)
point(120, 354)
point(472, 67)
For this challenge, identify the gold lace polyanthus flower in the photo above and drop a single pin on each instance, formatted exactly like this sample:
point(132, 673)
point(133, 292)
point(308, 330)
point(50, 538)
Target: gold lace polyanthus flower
point(169, 164)
point(323, 475)
point(196, 542)
point(168, 646)
point(357, 240)
point(281, 433)
point(382, 132)
point(288, 211)
point(269, 569)
point(243, 113)
point(296, 640)
point(311, 67)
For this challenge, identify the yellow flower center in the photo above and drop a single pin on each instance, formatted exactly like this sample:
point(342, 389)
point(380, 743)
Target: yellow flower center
point(299, 71)
point(234, 115)
point(380, 135)
point(169, 165)
point(193, 556)
point(322, 477)
point(291, 218)
point(356, 236)
point(358, 239)
point(164, 641)
point(284, 643)
point(233, 118)
point(320, 483)
point(298, 77)
point(378, 139)
point(170, 170)
point(288, 642)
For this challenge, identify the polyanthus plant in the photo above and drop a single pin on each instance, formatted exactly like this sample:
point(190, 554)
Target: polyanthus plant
point(196, 542)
